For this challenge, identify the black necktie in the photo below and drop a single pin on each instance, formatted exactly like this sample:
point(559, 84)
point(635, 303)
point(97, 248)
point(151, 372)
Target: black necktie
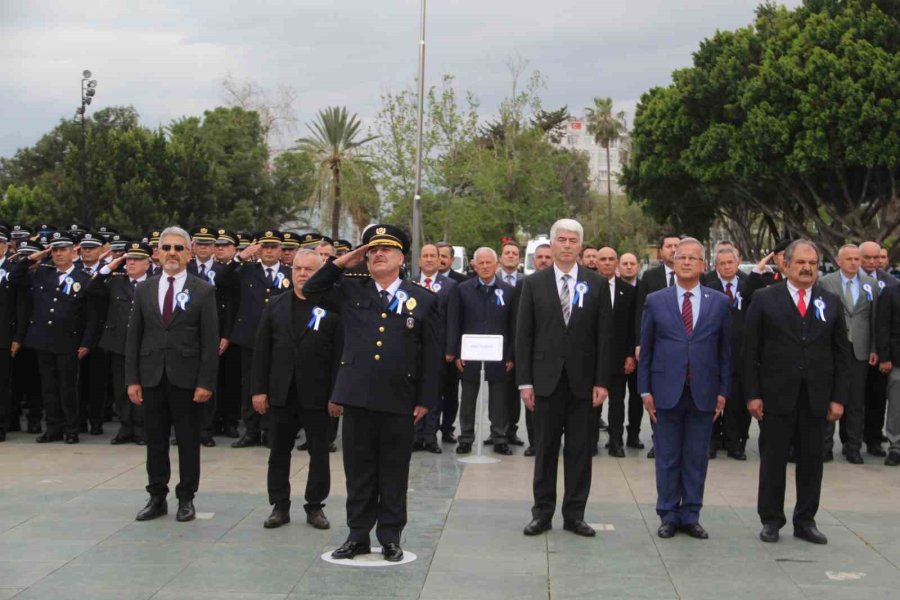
point(671, 278)
point(202, 270)
point(385, 299)
point(269, 275)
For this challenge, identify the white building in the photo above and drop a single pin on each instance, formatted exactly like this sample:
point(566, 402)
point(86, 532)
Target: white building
point(577, 137)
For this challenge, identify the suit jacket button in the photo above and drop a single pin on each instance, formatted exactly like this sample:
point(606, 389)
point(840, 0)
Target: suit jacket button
point(49, 322)
point(266, 300)
point(378, 343)
point(56, 299)
point(381, 329)
point(52, 309)
point(377, 357)
point(384, 315)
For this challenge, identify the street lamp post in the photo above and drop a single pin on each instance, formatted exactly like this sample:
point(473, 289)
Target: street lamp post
point(417, 196)
point(88, 89)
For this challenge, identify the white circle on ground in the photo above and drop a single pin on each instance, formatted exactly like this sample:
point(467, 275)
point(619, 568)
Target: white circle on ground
point(369, 560)
point(478, 460)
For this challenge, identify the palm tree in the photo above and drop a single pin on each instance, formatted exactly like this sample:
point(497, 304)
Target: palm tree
point(334, 146)
point(606, 127)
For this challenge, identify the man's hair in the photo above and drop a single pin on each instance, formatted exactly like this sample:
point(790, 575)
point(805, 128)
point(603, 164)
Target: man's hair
point(854, 246)
point(567, 225)
point(485, 249)
point(510, 243)
point(792, 247)
point(587, 247)
point(544, 245)
point(687, 241)
point(665, 236)
point(176, 231)
point(440, 245)
point(730, 251)
point(301, 252)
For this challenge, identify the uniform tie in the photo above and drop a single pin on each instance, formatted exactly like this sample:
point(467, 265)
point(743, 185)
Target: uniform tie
point(168, 301)
point(385, 299)
point(269, 275)
point(801, 302)
point(202, 270)
point(564, 300)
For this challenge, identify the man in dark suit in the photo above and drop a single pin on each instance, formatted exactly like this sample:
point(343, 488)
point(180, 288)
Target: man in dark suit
point(795, 375)
point(387, 380)
point(116, 290)
point(510, 257)
point(736, 426)
point(876, 380)
point(449, 396)
point(61, 328)
point(562, 358)
point(486, 308)
point(448, 304)
point(684, 379)
point(8, 317)
point(888, 345)
point(298, 346)
point(258, 283)
point(171, 363)
point(621, 356)
point(93, 368)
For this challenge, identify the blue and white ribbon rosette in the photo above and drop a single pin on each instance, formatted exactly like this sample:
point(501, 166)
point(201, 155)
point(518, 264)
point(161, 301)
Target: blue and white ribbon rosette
point(279, 278)
point(211, 276)
point(820, 309)
point(4, 275)
point(435, 287)
point(581, 289)
point(499, 293)
point(738, 301)
point(880, 284)
point(317, 315)
point(68, 285)
point(182, 299)
point(868, 290)
point(396, 304)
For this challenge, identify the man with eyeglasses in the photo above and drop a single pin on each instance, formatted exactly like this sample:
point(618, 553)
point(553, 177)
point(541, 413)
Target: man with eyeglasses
point(171, 365)
point(258, 282)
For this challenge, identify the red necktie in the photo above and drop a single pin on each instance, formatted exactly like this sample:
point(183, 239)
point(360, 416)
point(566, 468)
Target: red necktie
point(728, 291)
point(428, 283)
point(168, 301)
point(801, 302)
point(687, 314)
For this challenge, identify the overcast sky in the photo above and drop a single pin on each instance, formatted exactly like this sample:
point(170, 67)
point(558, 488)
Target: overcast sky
point(168, 57)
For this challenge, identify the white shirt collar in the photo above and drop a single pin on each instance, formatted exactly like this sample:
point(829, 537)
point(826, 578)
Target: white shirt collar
point(68, 271)
point(178, 278)
point(733, 281)
point(695, 291)
point(493, 281)
point(845, 279)
point(209, 263)
point(559, 273)
point(433, 278)
point(391, 289)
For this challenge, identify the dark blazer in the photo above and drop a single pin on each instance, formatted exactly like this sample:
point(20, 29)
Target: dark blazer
point(455, 276)
point(255, 292)
point(59, 322)
point(309, 360)
point(738, 309)
point(186, 350)
point(884, 278)
point(115, 292)
point(887, 325)
point(9, 307)
point(667, 352)
point(623, 328)
point(226, 295)
point(486, 313)
point(447, 291)
point(391, 362)
point(783, 349)
point(653, 280)
point(545, 345)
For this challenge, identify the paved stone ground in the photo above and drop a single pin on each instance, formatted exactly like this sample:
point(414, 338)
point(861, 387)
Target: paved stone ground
point(67, 530)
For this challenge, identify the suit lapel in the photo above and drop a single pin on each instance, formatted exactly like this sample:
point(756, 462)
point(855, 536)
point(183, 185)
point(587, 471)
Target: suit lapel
point(671, 293)
point(554, 295)
point(154, 287)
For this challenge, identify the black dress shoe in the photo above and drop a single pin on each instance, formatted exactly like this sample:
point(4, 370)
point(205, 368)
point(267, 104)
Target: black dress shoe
point(463, 448)
point(318, 519)
point(652, 453)
point(537, 527)
point(392, 552)
point(579, 528)
point(248, 441)
point(15, 425)
point(666, 531)
point(713, 452)
point(634, 442)
point(769, 533)
point(280, 516)
point(488, 442)
point(156, 507)
point(71, 438)
point(301, 447)
point(186, 511)
point(207, 442)
point(351, 549)
point(96, 429)
point(529, 451)
point(695, 530)
point(601, 425)
point(448, 438)
point(503, 449)
point(617, 450)
point(893, 459)
point(332, 447)
point(515, 440)
point(120, 439)
point(47, 437)
point(828, 457)
point(810, 534)
point(230, 431)
point(737, 454)
point(854, 457)
point(875, 450)
point(264, 439)
point(34, 428)
point(2, 436)
point(595, 451)
point(418, 445)
point(433, 448)
point(173, 442)
point(140, 441)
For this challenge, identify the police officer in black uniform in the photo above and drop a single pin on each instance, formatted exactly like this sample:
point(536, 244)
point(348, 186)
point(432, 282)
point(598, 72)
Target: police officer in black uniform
point(26, 378)
point(228, 392)
point(61, 329)
point(8, 296)
point(93, 368)
point(258, 282)
point(387, 380)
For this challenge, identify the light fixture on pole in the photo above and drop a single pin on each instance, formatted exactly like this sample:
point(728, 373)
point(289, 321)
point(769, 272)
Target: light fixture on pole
point(417, 195)
point(88, 90)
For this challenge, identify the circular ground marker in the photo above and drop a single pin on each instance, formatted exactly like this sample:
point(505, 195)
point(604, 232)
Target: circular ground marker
point(369, 560)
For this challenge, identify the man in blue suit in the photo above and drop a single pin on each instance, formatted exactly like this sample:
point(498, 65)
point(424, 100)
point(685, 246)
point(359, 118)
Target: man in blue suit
point(684, 376)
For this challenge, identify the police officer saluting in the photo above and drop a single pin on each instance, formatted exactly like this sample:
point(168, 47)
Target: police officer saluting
point(387, 380)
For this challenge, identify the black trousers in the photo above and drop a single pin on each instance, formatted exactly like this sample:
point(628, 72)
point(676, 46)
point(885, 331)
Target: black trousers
point(6, 411)
point(635, 406)
point(853, 419)
point(804, 431)
point(615, 413)
point(164, 406)
point(737, 417)
point(876, 405)
point(228, 390)
point(497, 406)
point(513, 405)
point(449, 398)
point(377, 449)
point(208, 417)
point(555, 415)
point(93, 370)
point(334, 425)
point(59, 382)
point(284, 424)
point(131, 416)
point(254, 423)
point(26, 386)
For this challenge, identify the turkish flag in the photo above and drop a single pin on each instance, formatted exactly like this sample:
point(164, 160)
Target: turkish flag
point(576, 125)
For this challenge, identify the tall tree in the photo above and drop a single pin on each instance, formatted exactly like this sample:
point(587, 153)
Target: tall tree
point(334, 145)
point(606, 127)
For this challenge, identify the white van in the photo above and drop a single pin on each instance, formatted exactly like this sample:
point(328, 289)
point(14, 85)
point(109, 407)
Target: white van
point(460, 260)
point(539, 240)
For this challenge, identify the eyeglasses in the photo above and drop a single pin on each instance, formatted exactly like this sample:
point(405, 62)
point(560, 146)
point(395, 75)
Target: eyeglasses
point(168, 247)
point(689, 258)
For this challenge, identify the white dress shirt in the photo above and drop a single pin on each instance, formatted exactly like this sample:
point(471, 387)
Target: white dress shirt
point(854, 287)
point(391, 289)
point(432, 279)
point(573, 278)
point(179, 282)
point(796, 297)
point(62, 278)
point(509, 278)
point(612, 292)
point(669, 271)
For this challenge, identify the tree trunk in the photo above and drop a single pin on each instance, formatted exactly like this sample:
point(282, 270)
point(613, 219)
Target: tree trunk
point(336, 205)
